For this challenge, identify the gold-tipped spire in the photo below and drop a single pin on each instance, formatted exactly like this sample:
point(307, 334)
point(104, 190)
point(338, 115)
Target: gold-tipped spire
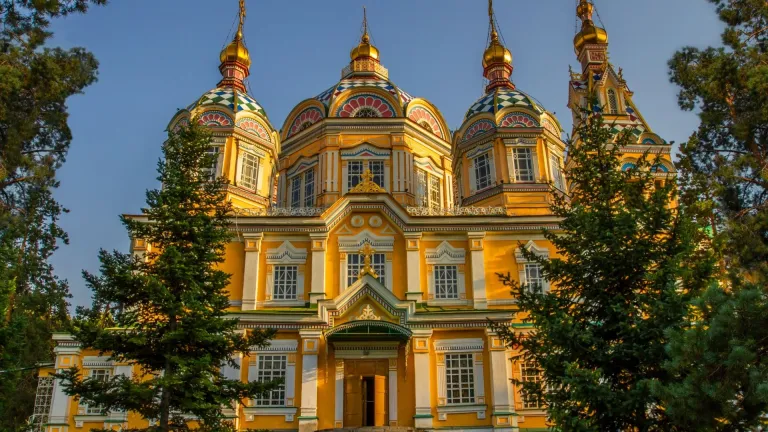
point(496, 52)
point(236, 50)
point(589, 34)
point(364, 49)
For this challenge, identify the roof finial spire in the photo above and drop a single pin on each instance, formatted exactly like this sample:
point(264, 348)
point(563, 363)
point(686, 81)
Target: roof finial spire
point(494, 33)
point(366, 38)
point(584, 10)
point(241, 16)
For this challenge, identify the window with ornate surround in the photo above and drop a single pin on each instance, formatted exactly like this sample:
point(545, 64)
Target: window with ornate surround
point(285, 276)
point(277, 360)
point(351, 245)
point(303, 189)
point(429, 184)
point(217, 154)
point(461, 377)
point(530, 271)
point(445, 275)
point(358, 159)
point(556, 166)
point(522, 160)
point(613, 102)
point(100, 374)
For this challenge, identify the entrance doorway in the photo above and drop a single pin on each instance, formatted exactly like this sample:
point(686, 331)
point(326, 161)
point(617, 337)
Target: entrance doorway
point(365, 393)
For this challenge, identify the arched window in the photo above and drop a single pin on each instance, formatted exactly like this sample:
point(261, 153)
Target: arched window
point(613, 102)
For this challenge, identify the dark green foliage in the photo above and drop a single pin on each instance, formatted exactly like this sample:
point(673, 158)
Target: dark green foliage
point(719, 361)
point(35, 83)
point(168, 313)
point(598, 335)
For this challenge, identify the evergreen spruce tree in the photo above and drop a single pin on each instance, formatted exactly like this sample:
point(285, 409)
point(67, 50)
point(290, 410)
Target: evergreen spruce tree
point(598, 336)
point(166, 314)
point(36, 80)
point(719, 361)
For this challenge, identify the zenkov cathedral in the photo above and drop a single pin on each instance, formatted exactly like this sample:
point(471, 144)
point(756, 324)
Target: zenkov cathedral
point(370, 235)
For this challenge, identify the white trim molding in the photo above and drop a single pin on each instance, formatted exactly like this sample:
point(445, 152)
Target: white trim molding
point(353, 244)
point(522, 261)
point(445, 254)
point(473, 347)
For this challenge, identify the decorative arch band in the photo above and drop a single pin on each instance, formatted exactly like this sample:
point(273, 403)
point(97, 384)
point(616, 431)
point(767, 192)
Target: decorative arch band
point(365, 105)
point(305, 119)
point(254, 127)
point(426, 119)
point(518, 119)
point(216, 119)
point(478, 128)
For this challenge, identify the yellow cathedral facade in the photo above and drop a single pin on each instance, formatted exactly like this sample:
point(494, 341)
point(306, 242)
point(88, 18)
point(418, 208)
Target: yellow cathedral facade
point(370, 235)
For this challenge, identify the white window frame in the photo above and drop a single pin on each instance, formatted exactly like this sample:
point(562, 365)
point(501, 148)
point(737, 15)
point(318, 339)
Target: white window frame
point(218, 163)
point(276, 397)
point(522, 143)
point(480, 184)
point(522, 155)
point(556, 168)
point(250, 182)
point(353, 245)
point(524, 367)
point(300, 179)
point(445, 254)
point(443, 349)
point(288, 409)
point(87, 409)
point(285, 255)
point(522, 262)
point(378, 263)
point(433, 175)
point(364, 153)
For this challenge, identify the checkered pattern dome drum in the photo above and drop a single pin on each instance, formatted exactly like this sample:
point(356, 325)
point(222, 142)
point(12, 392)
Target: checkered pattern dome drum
point(502, 98)
point(228, 97)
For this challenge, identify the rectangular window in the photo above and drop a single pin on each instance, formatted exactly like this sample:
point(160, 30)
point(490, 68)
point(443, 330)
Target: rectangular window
point(295, 191)
point(99, 375)
point(309, 188)
point(354, 173)
point(459, 379)
point(446, 282)
point(533, 275)
point(286, 282)
point(483, 171)
point(43, 399)
point(529, 372)
point(270, 368)
point(523, 164)
point(434, 193)
point(250, 171)
point(557, 172)
point(213, 153)
point(421, 188)
point(355, 264)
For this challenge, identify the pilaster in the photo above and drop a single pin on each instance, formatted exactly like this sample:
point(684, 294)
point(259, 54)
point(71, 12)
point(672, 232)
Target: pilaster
point(251, 271)
point(339, 396)
point(67, 353)
point(317, 289)
point(420, 344)
point(503, 414)
point(413, 290)
point(310, 347)
point(393, 391)
point(476, 247)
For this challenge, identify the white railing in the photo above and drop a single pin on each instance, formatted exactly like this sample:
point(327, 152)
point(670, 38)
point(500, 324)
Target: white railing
point(280, 211)
point(457, 211)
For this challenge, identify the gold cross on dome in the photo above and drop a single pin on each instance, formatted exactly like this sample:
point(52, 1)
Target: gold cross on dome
point(367, 252)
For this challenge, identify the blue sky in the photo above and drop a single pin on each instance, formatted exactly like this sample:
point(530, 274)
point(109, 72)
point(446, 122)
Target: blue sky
point(158, 56)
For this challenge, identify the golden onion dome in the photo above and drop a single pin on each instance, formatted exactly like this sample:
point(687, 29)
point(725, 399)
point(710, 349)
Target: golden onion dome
point(236, 51)
point(364, 49)
point(589, 34)
point(496, 52)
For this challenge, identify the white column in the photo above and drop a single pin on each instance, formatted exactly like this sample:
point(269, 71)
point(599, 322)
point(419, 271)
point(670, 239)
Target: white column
point(339, 399)
point(251, 271)
point(317, 289)
point(420, 343)
point(413, 267)
point(393, 391)
point(503, 413)
point(478, 269)
point(310, 343)
point(66, 357)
